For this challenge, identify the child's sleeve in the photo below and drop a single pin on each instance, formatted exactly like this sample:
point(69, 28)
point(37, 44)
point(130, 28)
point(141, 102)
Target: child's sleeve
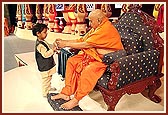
point(43, 50)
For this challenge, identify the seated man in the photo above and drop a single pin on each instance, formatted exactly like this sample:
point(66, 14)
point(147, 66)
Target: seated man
point(84, 69)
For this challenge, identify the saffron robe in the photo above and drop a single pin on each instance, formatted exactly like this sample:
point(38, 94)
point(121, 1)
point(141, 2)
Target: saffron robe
point(84, 69)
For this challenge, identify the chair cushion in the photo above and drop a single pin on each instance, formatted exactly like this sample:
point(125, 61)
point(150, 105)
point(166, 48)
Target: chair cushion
point(131, 41)
point(146, 35)
point(111, 57)
point(136, 67)
point(136, 36)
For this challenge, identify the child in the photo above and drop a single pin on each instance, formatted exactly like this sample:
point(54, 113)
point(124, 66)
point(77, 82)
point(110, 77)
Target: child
point(44, 57)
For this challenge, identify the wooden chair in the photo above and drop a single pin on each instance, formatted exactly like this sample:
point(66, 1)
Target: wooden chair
point(139, 66)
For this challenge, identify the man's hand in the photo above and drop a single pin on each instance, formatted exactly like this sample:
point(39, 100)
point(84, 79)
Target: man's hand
point(72, 44)
point(56, 43)
point(55, 48)
point(60, 43)
point(58, 39)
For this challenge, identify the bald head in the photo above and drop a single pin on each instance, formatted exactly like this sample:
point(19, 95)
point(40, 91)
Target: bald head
point(97, 13)
point(95, 18)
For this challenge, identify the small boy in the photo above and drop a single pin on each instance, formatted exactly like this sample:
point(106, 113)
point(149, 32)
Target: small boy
point(44, 57)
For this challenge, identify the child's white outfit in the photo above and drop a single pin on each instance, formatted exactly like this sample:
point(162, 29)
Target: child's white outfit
point(46, 65)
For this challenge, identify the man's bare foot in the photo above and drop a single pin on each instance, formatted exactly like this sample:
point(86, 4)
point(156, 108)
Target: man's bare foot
point(60, 96)
point(70, 104)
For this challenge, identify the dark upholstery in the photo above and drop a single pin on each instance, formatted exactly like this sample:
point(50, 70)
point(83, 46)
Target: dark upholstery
point(131, 41)
point(111, 57)
point(136, 36)
point(136, 67)
point(105, 78)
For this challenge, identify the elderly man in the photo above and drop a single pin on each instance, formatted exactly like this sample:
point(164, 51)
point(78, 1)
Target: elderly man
point(84, 69)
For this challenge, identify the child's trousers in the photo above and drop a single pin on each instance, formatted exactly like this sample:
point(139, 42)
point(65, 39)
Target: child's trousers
point(46, 84)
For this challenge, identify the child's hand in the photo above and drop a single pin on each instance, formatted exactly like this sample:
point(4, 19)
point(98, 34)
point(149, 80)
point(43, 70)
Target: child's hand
point(55, 48)
point(61, 43)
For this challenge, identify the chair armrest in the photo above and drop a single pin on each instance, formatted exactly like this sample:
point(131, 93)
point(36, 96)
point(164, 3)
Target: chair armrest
point(112, 56)
point(131, 68)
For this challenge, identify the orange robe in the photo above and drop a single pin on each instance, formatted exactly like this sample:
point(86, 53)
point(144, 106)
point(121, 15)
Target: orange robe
point(84, 69)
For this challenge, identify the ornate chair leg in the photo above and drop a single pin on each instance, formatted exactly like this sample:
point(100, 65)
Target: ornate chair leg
point(152, 88)
point(112, 99)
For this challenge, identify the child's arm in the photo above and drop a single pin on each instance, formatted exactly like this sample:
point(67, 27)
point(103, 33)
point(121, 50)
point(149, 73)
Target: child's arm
point(43, 50)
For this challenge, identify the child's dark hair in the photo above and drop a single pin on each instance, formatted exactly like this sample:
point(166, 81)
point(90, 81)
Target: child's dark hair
point(38, 28)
